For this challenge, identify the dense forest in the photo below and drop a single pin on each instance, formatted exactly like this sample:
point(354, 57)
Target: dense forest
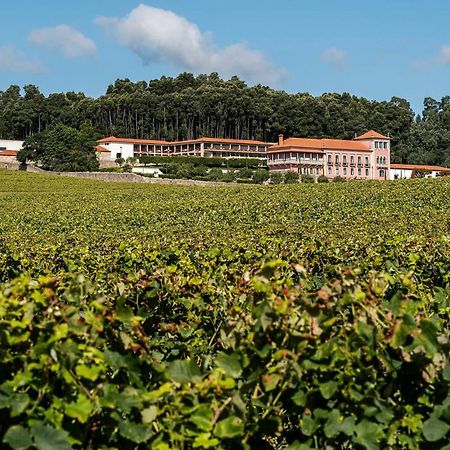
point(191, 106)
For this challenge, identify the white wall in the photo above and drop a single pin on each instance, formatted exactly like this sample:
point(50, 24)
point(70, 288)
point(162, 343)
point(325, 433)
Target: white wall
point(407, 173)
point(11, 145)
point(125, 149)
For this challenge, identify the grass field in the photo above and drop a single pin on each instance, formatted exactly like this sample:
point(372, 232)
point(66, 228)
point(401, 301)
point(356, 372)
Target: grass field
point(253, 317)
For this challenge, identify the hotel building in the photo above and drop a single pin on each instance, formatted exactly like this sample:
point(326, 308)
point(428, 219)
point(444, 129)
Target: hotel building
point(365, 157)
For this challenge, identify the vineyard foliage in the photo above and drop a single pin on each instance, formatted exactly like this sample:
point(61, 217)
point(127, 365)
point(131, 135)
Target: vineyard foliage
point(241, 317)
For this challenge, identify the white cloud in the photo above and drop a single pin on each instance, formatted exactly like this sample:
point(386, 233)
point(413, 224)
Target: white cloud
point(159, 35)
point(334, 56)
point(64, 39)
point(443, 57)
point(14, 60)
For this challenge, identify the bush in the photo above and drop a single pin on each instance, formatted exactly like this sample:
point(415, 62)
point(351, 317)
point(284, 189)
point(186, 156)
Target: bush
point(322, 179)
point(339, 179)
point(307, 178)
point(291, 177)
point(245, 173)
point(215, 174)
point(260, 176)
point(120, 161)
point(276, 177)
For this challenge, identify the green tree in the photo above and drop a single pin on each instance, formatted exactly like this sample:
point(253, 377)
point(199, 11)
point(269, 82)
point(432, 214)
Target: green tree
point(61, 149)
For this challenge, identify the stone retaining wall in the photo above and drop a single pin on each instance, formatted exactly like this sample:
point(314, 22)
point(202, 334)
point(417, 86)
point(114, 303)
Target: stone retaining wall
point(134, 178)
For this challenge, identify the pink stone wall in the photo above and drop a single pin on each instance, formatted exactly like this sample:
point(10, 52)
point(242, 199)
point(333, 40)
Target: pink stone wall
point(360, 168)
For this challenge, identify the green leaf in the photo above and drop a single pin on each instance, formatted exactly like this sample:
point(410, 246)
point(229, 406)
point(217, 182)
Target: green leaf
point(368, 435)
point(90, 373)
point(204, 441)
point(271, 381)
point(49, 438)
point(229, 428)
point(183, 372)
point(19, 403)
point(230, 364)
point(328, 389)
point(300, 446)
point(135, 432)
point(446, 371)
point(149, 414)
point(202, 417)
point(80, 410)
point(18, 437)
point(333, 425)
point(435, 429)
point(299, 398)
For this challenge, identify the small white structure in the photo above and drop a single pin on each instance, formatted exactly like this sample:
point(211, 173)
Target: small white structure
point(6, 144)
point(147, 171)
point(403, 171)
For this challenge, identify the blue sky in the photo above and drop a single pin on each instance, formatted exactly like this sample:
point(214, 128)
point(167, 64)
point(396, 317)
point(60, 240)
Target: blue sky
point(376, 49)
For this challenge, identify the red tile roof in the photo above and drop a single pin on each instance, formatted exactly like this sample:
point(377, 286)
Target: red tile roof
point(101, 149)
point(321, 144)
point(223, 141)
point(191, 141)
point(420, 167)
point(8, 152)
point(372, 135)
point(131, 141)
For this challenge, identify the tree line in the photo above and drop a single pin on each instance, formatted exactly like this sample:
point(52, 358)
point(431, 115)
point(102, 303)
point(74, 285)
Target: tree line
point(188, 107)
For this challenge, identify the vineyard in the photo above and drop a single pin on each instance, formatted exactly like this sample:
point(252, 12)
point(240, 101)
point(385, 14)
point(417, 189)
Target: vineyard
point(245, 317)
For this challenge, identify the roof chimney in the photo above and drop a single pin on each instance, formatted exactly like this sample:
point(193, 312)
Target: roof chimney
point(280, 139)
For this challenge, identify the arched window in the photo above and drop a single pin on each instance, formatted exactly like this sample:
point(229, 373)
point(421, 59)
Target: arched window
point(337, 159)
point(329, 159)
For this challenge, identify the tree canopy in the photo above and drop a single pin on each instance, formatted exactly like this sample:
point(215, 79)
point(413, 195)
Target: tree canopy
point(62, 148)
point(188, 106)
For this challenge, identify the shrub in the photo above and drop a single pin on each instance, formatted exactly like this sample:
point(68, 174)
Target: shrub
point(307, 178)
point(260, 176)
point(322, 179)
point(291, 177)
point(339, 179)
point(245, 173)
point(276, 177)
point(215, 174)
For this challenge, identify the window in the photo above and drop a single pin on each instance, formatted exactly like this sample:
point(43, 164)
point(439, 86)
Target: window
point(384, 160)
point(119, 155)
point(344, 159)
point(367, 160)
point(345, 170)
point(329, 170)
point(329, 159)
point(359, 160)
point(337, 171)
point(378, 160)
point(352, 171)
point(384, 144)
point(359, 171)
point(382, 173)
point(337, 159)
point(367, 172)
point(376, 144)
point(352, 159)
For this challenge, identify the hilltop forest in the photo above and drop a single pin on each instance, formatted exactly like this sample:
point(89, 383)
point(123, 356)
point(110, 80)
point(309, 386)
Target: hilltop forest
point(189, 106)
